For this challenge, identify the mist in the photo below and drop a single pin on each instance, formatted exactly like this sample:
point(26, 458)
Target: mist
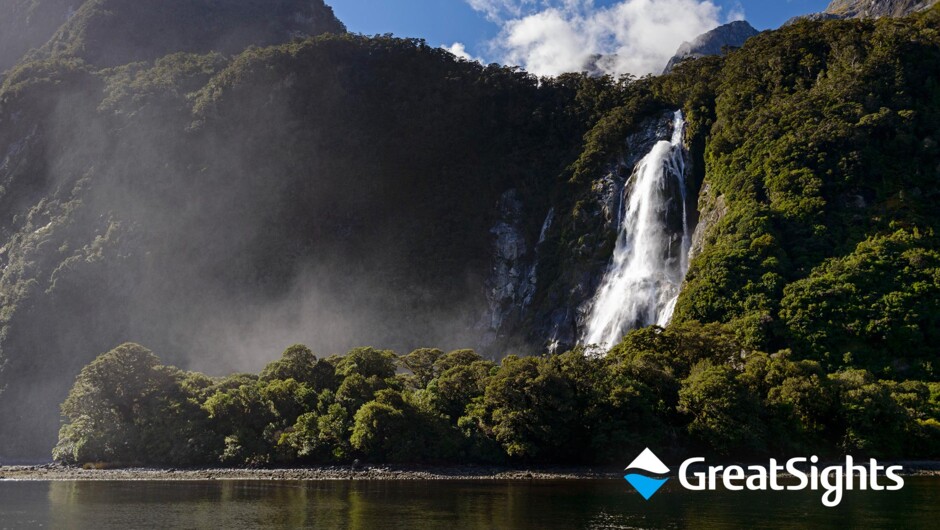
point(219, 208)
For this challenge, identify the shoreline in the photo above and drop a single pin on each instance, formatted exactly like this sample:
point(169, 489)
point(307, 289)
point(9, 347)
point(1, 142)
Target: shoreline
point(53, 472)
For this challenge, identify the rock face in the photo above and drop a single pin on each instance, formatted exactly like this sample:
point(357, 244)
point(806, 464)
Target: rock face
point(514, 274)
point(876, 8)
point(844, 9)
point(508, 283)
point(565, 303)
point(713, 42)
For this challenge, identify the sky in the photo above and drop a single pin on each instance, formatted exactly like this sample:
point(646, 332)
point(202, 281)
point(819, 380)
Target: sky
point(548, 37)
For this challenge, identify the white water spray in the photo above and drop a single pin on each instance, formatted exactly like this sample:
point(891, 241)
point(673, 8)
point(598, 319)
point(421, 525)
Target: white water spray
point(650, 258)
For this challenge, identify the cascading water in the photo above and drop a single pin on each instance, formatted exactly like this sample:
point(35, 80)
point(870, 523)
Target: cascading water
point(650, 258)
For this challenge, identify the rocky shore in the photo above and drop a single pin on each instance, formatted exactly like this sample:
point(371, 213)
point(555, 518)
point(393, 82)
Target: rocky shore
point(57, 472)
point(53, 472)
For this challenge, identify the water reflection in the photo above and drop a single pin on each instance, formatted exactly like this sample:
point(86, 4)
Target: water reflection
point(452, 504)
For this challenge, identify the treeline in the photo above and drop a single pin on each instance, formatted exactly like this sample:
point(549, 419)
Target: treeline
point(687, 389)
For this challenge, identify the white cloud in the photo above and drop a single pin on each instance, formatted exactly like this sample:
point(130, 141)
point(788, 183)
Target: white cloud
point(460, 51)
point(735, 13)
point(549, 37)
point(498, 10)
point(546, 43)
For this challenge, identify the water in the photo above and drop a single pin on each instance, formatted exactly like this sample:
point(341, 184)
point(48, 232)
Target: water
point(448, 504)
point(650, 258)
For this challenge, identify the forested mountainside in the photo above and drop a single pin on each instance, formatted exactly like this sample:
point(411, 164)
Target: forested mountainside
point(339, 190)
point(115, 32)
point(217, 204)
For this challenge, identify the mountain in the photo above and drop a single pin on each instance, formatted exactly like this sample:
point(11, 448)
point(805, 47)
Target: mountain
point(876, 8)
point(843, 9)
point(115, 32)
point(714, 42)
point(338, 190)
point(28, 24)
point(218, 201)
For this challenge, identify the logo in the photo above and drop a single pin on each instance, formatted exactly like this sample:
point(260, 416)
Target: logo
point(643, 483)
point(647, 474)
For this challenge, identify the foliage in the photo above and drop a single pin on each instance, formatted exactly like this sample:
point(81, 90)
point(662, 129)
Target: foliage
point(823, 150)
point(127, 408)
point(686, 388)
point(807, 321)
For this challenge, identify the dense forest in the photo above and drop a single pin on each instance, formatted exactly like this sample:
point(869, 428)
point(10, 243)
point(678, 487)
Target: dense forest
point(689, 389)
point(210, 200)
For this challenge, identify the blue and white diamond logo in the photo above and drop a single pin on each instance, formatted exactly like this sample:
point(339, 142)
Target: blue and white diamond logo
point(643, 483)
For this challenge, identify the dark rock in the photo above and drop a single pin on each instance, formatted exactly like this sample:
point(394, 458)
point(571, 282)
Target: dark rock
point(845, 9)
point(876, 8)
point(714, 42)
point(562, 318)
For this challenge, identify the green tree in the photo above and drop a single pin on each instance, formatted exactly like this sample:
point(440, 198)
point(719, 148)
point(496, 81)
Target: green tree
point(125, 407)
point(724, 414)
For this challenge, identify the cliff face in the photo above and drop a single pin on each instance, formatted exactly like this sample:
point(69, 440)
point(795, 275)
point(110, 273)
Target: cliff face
point(557, 319)
point(848, 9)
point(876, 8)
point(732, 35)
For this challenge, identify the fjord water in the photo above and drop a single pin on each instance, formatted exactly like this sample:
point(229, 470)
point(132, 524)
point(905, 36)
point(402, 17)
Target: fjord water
point(650, 257)
point(448, 504)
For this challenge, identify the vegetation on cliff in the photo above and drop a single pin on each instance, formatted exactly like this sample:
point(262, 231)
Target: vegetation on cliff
point(824, 148)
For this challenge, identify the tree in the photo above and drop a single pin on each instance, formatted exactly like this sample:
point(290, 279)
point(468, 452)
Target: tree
point(724, 414)
point(528, 408)
point(300, 364)
point(421, 363)
point(126, 407)
point(368, 362)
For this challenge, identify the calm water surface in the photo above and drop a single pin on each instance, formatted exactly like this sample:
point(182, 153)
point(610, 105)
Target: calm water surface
point(451, 505)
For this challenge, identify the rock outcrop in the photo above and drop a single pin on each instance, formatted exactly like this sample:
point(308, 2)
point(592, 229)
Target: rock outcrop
point(714, 42)
point(844, 9)
point(876, 8)
point(561, 316)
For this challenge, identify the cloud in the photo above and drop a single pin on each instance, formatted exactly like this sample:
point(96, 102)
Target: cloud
point(735, 13)
point(460, 51)
point(550, 37)
point(499, 10)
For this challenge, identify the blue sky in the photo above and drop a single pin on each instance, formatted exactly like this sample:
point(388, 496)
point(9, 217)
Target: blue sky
point(444, 22)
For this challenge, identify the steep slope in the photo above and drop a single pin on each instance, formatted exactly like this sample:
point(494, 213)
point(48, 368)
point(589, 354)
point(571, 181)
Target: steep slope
point(731, 35)
point(28, 24)
point(876, 8)
point(822, 175)
point(844, 9)
point(115, 32)
point(312, 192)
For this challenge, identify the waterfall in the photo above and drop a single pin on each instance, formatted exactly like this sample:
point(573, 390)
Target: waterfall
point(650, 258)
